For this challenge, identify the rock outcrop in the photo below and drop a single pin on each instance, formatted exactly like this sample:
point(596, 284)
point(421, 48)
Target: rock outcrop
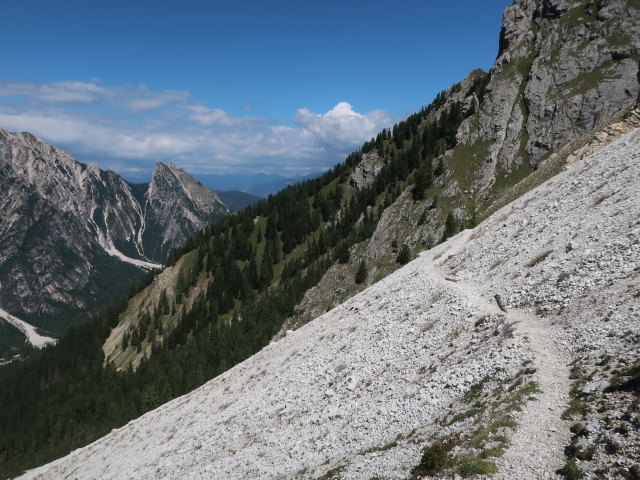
point(365, 172)
point(563, 68)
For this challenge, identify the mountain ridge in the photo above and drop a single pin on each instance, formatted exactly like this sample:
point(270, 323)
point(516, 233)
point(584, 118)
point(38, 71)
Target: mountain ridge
point(63, 220)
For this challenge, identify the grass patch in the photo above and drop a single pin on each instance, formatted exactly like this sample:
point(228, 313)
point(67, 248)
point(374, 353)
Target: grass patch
point(570, 471)
point(601, 198)
point(488, 439)
point(472, 412)
point(577, 403)
point(626, 380)
point(477, 388)
point(435, 458)
point(586, 81)
point(469, 465)
point(383, 448)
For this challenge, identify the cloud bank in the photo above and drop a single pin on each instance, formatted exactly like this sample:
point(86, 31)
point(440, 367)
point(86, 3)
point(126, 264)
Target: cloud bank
point(128, 128)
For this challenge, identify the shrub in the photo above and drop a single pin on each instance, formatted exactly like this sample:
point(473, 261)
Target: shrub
point(570, 471)
point(435, 458)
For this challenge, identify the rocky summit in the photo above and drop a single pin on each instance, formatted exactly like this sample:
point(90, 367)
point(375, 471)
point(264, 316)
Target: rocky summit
point(72, 236)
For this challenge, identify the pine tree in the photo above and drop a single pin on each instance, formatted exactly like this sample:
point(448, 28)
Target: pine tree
point(163, 304)
point(361, 274)
point(342, 252)
point(450, 226)
point(422, 183)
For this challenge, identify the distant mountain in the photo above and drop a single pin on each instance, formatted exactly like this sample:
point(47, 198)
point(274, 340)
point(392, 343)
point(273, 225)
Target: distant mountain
point(73, 236)
point(237, 200)
point(273, 186)
point(259, 184)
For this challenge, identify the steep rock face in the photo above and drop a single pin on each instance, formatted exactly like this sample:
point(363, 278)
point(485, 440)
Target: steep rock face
point(365, 173)
point(563, 68)
point(176, 206)
point(72, 235)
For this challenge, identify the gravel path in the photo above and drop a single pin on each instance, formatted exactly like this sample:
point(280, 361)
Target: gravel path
point(536, 447)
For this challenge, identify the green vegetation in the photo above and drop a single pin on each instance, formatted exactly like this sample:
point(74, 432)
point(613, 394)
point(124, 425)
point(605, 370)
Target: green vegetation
point(579, 14)
point(383, 448)
point(588, 80)
point(472, 412)
point(333, 474)
point(578, 407)
point(539, 258)
point(404, 255)
point(626, 380)
point(571, 471)
point(450, 227)
point(492, 418)
point(435, 458)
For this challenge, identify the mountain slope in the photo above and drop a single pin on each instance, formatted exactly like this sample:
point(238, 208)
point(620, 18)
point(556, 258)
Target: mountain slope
point(237, 200)
point(362, 388)
point(72, 236)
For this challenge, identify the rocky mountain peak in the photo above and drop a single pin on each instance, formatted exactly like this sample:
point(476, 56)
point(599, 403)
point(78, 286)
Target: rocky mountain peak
point(66, 225)
point(516, 24)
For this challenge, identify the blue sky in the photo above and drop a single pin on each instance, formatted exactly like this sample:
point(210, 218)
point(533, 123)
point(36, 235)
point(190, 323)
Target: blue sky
point(230, 87)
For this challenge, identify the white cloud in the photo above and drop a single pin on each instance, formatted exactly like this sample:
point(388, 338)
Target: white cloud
point(168, 126)
point(152, 101)
point(341, 125)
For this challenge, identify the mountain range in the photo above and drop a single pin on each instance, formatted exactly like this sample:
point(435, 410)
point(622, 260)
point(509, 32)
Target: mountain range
point(426, 363)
